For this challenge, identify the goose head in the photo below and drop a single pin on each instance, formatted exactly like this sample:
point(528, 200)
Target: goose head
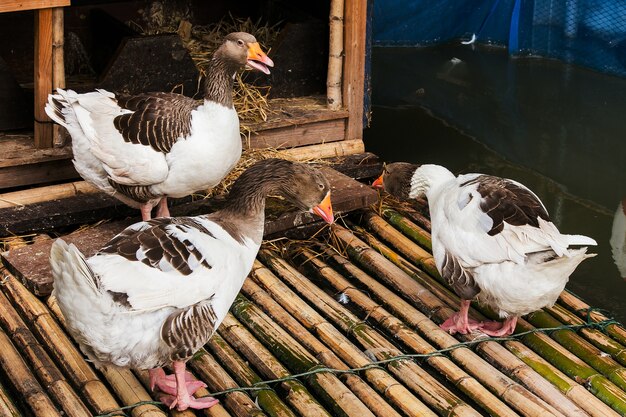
point(308, 189)
point(396, 179)
point(242, 49)
point(302, 185)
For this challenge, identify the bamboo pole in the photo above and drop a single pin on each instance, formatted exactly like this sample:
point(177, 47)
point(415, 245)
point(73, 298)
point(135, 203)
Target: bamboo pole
point(581, 348)
point(268, 399)
point(415, 253)
point(410, 212)
point(395, 392)
point(298, 360)
point(24, 381)
point(335, 56)
point(366, 394)
point(58, 67)
point(557, 355)
point(47, 193)
point(584, 310)
point(7, 406)
point(407, 227)
point(48, 373)
point(596, 337)
point(570, 388)
point(561, 357)
point(297, 395)
point(428, 388)
point(130, 391)
point(517, 396)
point(59, 347)
point(495, 354)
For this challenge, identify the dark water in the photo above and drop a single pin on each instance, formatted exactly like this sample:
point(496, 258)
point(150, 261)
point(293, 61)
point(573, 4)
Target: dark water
point(558, 129)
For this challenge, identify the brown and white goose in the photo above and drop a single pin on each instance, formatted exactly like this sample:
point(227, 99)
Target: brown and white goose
point(156, 292)
point(143, 148)
point(492, 239)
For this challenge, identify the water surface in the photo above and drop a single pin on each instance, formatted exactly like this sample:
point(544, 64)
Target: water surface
point(558, 129)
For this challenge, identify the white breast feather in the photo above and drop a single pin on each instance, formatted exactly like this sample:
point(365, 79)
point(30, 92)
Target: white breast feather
point(202, 160)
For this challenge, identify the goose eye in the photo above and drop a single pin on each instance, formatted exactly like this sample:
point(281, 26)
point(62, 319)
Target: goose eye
point(320, 185)
point(240, 42)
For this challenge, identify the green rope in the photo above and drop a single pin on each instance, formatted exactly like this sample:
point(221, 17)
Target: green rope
point(262, 385)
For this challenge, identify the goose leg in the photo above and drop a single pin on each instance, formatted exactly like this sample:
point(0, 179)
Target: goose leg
point(167, 383)
point(498, 329)
point(460, 322)
point(183, 400)
point(146, 212)
point(162, 210)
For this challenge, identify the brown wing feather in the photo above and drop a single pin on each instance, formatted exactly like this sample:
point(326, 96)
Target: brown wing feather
point(506, 201)
point(158, 119)
point(187, 330)
point(460, 279)
point(156, 243)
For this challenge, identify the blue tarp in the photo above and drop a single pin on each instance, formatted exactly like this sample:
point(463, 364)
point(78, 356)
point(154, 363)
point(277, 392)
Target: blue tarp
point(590, 33)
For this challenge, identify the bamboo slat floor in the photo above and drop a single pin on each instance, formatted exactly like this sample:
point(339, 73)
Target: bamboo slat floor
point(342, 324)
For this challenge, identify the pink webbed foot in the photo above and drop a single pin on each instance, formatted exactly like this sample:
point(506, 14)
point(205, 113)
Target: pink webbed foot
point(187, 402)
point(167, 383)
point(460, 322)
point(499, 329)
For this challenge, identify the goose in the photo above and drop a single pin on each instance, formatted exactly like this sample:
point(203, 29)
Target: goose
point(156, 292)
point(618, 238)
point(143, 148)
point(492, 240)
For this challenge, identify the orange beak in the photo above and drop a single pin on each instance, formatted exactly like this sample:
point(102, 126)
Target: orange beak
point(257, 59)
point(378, 183)
point(325, 210)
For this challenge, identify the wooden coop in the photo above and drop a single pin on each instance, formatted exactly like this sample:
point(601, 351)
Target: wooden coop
point(311, 121)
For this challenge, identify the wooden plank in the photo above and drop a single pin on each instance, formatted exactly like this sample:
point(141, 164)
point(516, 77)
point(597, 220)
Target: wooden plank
point(43, 76)
point(21, 5)
point(297, 111)
point(63, 205)
point(299, 135)
point(39, 173)
point(355, 20)
point(58, 67)
point(31, 264)
point(325, 150)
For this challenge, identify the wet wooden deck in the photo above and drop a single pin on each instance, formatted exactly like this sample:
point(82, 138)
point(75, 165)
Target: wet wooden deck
point(364, 295)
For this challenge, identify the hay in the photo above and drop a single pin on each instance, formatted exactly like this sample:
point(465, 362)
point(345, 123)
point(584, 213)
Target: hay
point(250, 100)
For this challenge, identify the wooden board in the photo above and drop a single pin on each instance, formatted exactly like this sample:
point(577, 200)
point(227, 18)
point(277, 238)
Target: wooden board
point(355, 23)
point(30, 263)
point(20, 5)
point(299, 135)
point(43, 77)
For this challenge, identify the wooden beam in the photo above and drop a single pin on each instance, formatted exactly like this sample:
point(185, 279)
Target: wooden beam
point(20, 5)
point(355, 21)
point(43, 76)
point(58, 67)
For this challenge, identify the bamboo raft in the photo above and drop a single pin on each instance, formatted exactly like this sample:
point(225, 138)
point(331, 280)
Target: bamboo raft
point(344, 323)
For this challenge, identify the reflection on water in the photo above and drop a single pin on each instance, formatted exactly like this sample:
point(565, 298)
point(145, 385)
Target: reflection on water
point(559, 130)
point(618, 238)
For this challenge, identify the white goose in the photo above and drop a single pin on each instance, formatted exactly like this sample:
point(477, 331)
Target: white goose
point(492, 239)
point(158, 290)
point(143, 148)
